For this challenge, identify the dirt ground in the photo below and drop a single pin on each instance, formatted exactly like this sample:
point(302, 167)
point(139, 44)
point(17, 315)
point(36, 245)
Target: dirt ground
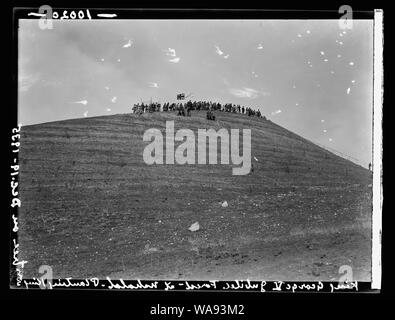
point(317, 257)
point(92, 207)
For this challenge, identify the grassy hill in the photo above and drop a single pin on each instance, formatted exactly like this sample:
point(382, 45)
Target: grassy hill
point(92, 207)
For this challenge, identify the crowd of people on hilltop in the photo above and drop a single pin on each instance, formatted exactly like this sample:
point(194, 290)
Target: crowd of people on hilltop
point(184, 109)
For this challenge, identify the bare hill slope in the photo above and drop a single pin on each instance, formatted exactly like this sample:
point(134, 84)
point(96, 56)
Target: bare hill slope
point(92, 207)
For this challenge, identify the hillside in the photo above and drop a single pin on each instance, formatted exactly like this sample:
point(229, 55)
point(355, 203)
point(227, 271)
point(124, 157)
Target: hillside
point(92, 207)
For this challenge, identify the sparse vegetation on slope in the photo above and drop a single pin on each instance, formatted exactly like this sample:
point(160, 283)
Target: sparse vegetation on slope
point(92, 207)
